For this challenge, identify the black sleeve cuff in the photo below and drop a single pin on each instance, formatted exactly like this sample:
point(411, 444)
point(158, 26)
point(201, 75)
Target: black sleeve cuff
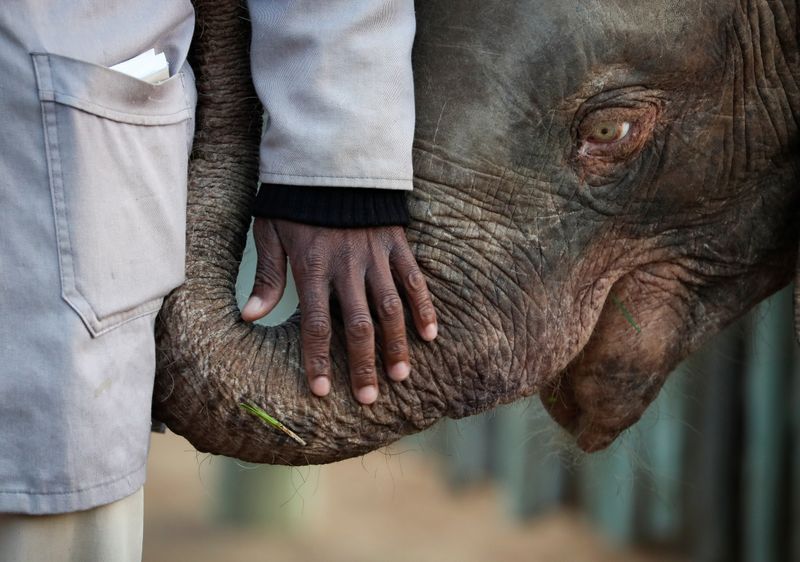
point(341, 207)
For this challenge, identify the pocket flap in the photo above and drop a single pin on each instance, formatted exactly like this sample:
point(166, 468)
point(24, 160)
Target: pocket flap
point(110, 94)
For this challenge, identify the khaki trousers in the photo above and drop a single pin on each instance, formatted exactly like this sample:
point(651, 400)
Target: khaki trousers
point(109, 533)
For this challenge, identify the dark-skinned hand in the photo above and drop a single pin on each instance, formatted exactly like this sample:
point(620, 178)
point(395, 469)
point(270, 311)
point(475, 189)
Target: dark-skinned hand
point(358, 265)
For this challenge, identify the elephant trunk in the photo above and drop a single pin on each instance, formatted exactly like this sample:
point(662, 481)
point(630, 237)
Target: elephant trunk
point(209, 360)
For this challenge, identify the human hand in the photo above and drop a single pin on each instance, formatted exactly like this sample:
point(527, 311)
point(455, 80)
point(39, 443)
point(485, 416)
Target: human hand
point(354, 262)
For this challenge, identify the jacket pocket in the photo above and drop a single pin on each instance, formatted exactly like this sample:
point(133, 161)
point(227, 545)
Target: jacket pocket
point(117, 152)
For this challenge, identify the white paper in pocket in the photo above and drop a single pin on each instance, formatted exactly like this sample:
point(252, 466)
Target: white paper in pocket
point(148, 66)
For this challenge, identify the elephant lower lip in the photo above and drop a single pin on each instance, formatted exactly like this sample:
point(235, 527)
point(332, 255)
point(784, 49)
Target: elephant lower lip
point(557, 394)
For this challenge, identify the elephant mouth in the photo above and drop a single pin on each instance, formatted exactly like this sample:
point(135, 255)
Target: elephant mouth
point(612, 379)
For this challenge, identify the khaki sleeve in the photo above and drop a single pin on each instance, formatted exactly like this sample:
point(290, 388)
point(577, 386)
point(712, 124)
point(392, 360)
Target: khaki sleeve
point(335, 78)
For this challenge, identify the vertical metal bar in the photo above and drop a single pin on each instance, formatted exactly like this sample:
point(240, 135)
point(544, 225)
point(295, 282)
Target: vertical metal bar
point(768, 373)
point(794, 471)
point(529, 463)
point(794, 466)
point(659, 475)
point(712, 474)
point(466, 449)
point(607, 489)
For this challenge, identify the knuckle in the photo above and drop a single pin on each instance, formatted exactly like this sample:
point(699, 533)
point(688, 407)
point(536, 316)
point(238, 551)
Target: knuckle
point(318, 365)
point(261, 234)
point(363, 374)
point(416, 280)
point(267, 275)
point(391, 305)
point(359, 327)
point(347, 254)
point(396, 347)
point(314, 263)
point(318, 327)
point(427, 312)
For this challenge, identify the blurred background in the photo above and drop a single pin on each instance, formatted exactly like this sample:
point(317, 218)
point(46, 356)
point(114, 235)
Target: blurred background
point(711, 473)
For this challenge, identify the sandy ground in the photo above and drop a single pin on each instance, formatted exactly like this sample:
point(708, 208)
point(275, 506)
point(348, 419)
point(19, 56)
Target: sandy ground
point(384, 507)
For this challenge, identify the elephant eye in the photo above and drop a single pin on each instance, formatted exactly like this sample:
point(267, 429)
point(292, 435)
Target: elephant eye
point(615, 133)
point(609, 131)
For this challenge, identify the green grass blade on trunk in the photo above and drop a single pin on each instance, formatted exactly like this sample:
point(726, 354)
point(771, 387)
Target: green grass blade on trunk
point(628, 316)
point(271, 421)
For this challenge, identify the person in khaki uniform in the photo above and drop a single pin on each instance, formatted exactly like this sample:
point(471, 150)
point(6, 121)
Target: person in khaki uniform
point(93, 166)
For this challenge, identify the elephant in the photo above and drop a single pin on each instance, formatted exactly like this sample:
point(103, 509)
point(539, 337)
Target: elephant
point(600, 186)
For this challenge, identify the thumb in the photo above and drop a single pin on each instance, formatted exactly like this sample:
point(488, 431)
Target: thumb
point(270, 272)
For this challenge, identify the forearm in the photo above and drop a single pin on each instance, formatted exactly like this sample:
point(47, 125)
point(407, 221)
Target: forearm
point(335, 78)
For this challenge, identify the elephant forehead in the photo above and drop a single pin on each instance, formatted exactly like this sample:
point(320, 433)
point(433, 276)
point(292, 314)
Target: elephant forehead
point(532, 26)
point(501, 79)
point(552, 47)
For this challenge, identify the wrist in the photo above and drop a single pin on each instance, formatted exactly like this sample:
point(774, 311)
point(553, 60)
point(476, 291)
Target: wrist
point(338, 207)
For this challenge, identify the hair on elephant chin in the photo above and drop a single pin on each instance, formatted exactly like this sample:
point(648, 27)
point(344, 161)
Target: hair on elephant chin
point(553, 443)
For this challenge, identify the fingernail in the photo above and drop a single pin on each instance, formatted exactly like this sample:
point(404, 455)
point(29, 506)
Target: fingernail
point(399, 371)
point(367, 394)
point(253, 306)
point(430, 332)
point(321, 386)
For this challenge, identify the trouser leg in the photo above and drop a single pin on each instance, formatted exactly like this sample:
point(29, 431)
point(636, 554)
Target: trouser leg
point(109, 533)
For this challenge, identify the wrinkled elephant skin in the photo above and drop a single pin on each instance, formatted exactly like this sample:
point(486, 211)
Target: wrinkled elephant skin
point(600, 186)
